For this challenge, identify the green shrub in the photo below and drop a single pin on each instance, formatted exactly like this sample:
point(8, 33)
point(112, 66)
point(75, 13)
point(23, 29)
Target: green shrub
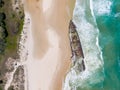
point(2, 16)
point(1, 3)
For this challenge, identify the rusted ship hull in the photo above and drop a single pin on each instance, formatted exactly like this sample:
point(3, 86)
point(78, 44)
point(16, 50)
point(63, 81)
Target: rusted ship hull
point(76, 48)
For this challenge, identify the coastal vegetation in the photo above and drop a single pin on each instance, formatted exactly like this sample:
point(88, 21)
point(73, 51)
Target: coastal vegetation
point(11, 88)
point(0, 88)
point(11, 25)
point(1, 3)
point(3, 32)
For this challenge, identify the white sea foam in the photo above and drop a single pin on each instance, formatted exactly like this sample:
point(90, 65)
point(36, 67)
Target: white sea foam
point(117, 15)
point(88, 34)
point(91, 8)
point(102, 6)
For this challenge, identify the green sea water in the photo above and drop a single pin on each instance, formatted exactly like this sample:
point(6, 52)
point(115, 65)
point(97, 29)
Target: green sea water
point(98, 19)
point(107, 19)
point(109, 41)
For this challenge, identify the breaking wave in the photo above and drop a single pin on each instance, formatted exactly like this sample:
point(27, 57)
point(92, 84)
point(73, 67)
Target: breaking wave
point(85, 22)
point(102, 7)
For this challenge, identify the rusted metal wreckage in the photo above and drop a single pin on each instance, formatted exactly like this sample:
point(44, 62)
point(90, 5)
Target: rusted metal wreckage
point(77, 52)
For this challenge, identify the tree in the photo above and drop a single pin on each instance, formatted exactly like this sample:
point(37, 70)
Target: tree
point(2, 16)
point(2, 33)
point(2, 39)
point(1, 3)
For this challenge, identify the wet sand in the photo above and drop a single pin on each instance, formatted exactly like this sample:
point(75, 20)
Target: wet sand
point(50, 57)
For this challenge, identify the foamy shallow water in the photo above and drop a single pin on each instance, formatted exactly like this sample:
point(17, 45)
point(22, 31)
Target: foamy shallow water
point(98, 23)
point(102, 6)
point(88, 33)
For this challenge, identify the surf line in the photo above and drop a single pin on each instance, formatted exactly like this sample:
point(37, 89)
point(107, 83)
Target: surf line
point(76, 48)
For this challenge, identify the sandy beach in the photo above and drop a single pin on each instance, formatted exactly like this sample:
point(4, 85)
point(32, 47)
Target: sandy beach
point(49, 49)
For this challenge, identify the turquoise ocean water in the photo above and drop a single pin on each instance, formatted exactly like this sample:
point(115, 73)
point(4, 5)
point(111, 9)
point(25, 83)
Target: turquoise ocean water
point(98, 25)
point(109, 40)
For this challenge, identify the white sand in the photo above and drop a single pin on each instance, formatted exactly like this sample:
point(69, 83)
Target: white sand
point(41, 71)
point(46, 5)
point(48, 44)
